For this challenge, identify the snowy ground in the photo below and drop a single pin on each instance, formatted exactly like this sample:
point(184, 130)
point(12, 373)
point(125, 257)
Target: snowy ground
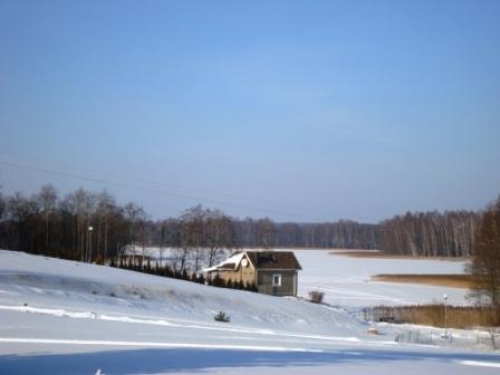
point(60, 317)
point(346, 281)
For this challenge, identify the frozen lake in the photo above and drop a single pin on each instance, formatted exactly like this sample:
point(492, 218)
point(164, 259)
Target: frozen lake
point(347, 281)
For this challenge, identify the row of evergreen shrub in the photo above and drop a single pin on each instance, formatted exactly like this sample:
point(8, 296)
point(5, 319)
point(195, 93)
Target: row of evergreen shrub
point(166, 271)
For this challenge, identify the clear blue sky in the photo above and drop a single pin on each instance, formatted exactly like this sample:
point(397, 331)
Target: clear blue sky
point(297, 110)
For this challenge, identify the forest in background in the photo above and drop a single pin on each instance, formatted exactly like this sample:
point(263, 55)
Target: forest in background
point(92, 226)
point(430, 234)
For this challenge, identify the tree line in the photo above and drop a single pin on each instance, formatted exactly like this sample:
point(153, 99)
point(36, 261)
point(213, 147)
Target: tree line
point(93, 227)
point(343, 234)
point(80, 226)
point(90, 226)
point(430, 234)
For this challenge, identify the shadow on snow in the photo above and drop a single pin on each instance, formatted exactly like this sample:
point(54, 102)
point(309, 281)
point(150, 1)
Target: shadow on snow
point(153, 361)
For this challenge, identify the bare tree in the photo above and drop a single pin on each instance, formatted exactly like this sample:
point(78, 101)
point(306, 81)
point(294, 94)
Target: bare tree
point(190, 236)
point(2, 205)
point(266, 233)
point(21, 212)
point(163, 239)
point(485, 263)
point(219, 236)
point(135, 216)
point(105, 206)
point(47, 199)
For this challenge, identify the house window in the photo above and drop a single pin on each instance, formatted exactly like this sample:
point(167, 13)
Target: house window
point(277, 279)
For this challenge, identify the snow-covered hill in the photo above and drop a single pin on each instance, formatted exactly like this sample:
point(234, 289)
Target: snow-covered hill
point(59, 287)
point(63, 317)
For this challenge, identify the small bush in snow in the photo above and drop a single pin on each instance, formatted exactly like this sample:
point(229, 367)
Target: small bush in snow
point(315, 296)
point(222, 317)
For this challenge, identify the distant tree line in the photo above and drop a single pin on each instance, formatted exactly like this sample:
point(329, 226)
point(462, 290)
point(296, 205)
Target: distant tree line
point(90, 226)
point(212, 229)
point(343, 234)
point(430, 234)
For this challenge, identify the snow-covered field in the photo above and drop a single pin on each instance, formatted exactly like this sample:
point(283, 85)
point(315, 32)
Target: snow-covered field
point(62, 317)
point(346, 281)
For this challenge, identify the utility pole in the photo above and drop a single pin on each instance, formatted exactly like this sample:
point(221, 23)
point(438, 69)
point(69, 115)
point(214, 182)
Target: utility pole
point(90, 242)
point(445, 298)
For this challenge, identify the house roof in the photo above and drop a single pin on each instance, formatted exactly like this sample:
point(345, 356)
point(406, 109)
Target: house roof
point(260, 260)
point(273, 260)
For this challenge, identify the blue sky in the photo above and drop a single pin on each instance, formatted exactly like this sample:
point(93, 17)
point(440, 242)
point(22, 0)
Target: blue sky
point(296, 110)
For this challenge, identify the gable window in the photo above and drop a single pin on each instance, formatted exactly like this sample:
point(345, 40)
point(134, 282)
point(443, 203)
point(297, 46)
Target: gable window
point(277, 279)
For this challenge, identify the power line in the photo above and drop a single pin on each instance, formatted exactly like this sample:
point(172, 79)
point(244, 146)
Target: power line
point(162, 185)
point(130, 186)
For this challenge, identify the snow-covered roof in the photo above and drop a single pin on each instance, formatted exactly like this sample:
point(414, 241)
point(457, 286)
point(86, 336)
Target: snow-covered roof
point(230, 263)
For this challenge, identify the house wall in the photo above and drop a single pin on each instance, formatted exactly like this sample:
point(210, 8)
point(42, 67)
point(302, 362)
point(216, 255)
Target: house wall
point(247, 275)
point(288, 283)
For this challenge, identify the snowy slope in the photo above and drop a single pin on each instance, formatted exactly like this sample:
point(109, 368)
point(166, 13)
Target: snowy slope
point(62, 317)
point(59, 284)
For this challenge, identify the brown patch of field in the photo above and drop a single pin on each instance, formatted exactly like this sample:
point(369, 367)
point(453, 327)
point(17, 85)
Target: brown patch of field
point(381, 255)
point(433, 315)
point(368, 254)
point(453, 281)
